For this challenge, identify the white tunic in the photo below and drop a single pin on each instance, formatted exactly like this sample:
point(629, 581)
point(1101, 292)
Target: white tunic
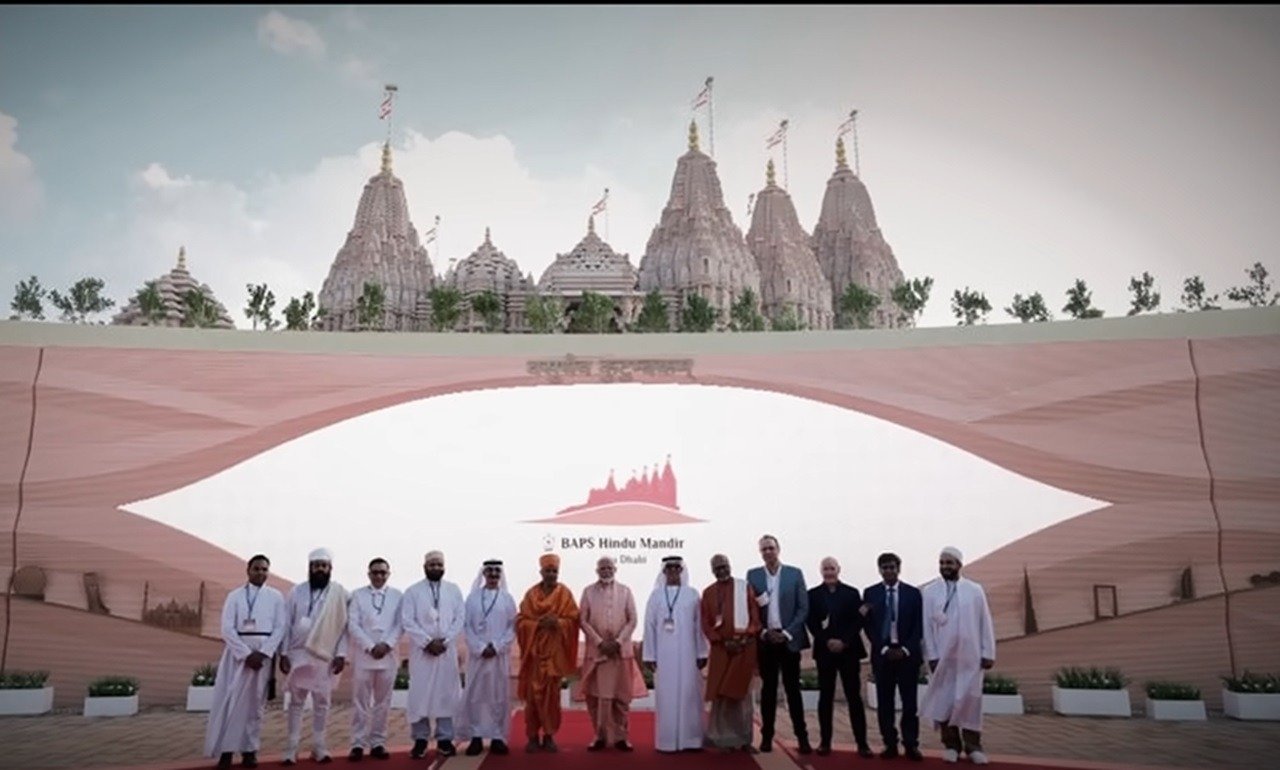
point(373, 617)
point(486, 709)
point(432, 611)
point(958, 633)
point(253, 619)
point(302, 606)
point(676, 648)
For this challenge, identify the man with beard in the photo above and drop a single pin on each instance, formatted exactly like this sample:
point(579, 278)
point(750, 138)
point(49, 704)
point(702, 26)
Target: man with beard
point(432, 612)
point(253, 625)
point(610, 677)
point(374, 628)
point(490, 630)
point(675, 651)
point(730, 621)
point(317, 635)
point(959, 643)
point(836, 626)
point(891, 617)
point(547, 627)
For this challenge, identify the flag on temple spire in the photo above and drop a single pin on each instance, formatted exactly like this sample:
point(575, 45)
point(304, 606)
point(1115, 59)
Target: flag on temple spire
point(384, 110)
point(704, 96)
point(601, 204)
point(430, 235)
point(777, 136)
point(847, 126)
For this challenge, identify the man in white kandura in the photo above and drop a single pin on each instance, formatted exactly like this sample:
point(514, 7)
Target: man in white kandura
point(253, 625)
point(433, 614)
point(490, 630)
point(676, 649)
point(374, 629)
point(313, 659)
point(959, 643)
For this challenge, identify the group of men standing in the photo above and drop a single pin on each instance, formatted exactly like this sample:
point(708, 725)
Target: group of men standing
point(699, 647)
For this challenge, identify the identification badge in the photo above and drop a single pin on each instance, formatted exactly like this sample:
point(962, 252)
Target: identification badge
point(482, 626)
point(669, 625)
point(304, 625)
point(248, 624)
point(379, 630)
point(826, 622)
point(719, 621)
point(432, 614)
point(762, 599)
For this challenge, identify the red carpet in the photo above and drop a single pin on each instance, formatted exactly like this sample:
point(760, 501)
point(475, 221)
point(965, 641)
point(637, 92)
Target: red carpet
point(847, 759)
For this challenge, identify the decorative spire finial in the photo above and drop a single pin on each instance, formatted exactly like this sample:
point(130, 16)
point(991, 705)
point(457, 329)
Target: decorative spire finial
point(591, 225)
point(770, 177)
point(841, 160)
point(486, 236)
point(693, 135)
point(386, 157)
point(182, 257)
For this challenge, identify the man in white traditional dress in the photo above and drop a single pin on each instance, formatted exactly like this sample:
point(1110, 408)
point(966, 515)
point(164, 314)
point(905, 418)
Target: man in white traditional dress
point(959, 643)
point(313, 657)
point(433, 613)
point(253, 625)
point(675, 647)
point(374, 629)
point(490, 630)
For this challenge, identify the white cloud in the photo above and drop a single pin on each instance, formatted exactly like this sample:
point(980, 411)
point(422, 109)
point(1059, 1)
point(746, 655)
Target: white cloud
point(288, 35)
point(360, 72)
point(21, 192)
point(156, 177)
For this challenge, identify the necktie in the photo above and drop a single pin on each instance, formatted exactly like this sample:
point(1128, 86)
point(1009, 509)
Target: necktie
point(890, 615)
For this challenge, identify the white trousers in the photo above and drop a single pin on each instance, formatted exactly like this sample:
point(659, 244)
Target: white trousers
point(371, 698)
point(319, 719)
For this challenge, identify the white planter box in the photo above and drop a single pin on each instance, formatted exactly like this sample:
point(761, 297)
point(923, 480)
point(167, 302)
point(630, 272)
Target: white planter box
point(873, 702)
point(1176, 709)
point(15, 702)
point(1248, 705)
point(111, 707)
point(1002, 704)
point(1093, 703)
point(810, 698)
point(644, 702)
point(399, 699)
point(199, 698)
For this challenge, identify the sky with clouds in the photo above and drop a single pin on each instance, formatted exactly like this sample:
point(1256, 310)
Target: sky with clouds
point(1010, 149)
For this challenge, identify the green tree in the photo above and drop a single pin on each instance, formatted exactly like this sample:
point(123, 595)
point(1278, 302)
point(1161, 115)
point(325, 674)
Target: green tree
point(199, 310)
point(911, 297)
point(446, 307)
point(369, 306)
point(969, 307)
point(299, 313)
point(1254, 293)
point(261, 301)
point(1145, 298)
point(28, 299)
point(488, 306)
point(653, 314)
point(1029, 309)
point(593, 315)
point(697, 314)
point(83, 299)
point(1193, 296)
point(855, 307)
point(743, 315)
point(1080, 302)
point(544, 313)
point(787, 320)
point(150, 303)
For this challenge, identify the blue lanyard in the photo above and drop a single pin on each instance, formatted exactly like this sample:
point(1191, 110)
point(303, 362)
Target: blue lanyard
point(671, 604)
point(252, 601)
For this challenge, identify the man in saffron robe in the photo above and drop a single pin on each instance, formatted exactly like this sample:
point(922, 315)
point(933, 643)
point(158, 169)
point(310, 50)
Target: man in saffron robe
point(547, 629)
point(731, 622)
point(610, 676)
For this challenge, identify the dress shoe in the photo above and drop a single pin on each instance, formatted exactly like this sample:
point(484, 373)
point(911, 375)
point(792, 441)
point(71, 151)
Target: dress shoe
point(824, 749)
point(978, 758)
point(498, 747)
point(224, 761)
point(865, 751)
point(445, 748)
point(766, 745)
point(532, 746)
point(419, 749)
point(914, 755)
point(549, 744)
point(288, 762)
point(325, 760)
point(356, 754)
point(380, 752)
point(475, 747)
point(890, 752)
point(624, 746)
point(804, 747)
point(597, 745)
point(249, 759)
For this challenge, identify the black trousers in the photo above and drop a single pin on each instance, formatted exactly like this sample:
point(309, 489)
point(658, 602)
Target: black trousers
point(847, 667)
point(775, 659)
point(899, 676)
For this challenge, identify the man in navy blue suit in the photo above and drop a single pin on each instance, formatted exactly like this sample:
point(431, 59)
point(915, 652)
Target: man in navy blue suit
point(893, 621)
point(784, 607)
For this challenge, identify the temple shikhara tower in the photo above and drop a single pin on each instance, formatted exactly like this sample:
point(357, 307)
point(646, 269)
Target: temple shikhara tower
point(593, 266)
point(173, 308)
point(695, 247)
point(382, 248)
point(849, 245)
point(488, 269)
point(792, 286)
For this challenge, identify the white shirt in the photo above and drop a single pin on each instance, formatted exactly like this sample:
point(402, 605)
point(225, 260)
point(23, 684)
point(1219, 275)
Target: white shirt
point(892, 593)
point(772, 584)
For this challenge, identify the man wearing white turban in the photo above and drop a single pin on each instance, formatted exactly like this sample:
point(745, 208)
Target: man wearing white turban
point(959, 644)
point(316, 613)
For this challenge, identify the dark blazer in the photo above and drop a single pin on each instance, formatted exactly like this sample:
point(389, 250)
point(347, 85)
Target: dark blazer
point(910, 619)
point(844, 622)
point(793, 602)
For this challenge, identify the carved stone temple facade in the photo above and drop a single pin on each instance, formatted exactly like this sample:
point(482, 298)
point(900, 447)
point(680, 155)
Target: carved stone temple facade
point(488, 269)
point(173, 287)
point(594, 266)
point(792, 285)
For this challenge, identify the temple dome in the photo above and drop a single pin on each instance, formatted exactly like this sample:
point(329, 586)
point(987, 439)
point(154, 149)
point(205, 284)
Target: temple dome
point(173, 287)
point(487, 269)
point(790, 276)
point(592, 265)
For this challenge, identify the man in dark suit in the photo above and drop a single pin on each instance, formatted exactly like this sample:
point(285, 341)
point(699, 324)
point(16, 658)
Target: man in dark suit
point(893, 619)
point(836, 625)
point(784, 608)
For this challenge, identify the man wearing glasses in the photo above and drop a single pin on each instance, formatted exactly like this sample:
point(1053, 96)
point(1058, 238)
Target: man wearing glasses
point(374, 630)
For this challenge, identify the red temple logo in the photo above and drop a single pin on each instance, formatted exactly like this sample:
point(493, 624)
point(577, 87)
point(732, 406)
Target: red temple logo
point(649, 499)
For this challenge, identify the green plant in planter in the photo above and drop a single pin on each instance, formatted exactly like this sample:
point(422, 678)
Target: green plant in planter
point(648, 677)
point(1172, 691)
point(402, 677)
point(808, 680)
point(205, 676)
point(1077, 678)
point(113, 687)
point(922, 676)
point(23, 680)
point(1253, 684)
point(995, 684)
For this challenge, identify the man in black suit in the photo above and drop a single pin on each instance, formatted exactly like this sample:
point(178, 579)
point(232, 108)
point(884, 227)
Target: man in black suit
point(836, 624)
point(892, 614)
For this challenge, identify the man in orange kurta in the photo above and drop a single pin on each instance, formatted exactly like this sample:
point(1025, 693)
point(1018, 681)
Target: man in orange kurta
point(610, 676)
point(731, 622)
point(547, 629)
